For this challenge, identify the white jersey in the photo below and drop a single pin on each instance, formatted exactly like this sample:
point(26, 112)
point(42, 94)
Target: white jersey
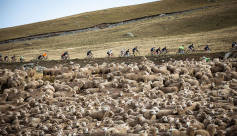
point(109, 51)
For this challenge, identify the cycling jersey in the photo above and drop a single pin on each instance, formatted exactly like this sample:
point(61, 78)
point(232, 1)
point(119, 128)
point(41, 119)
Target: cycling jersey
point(44, 54)
point(109, 52)
point(89, 52)
point(182, 48)
point(65, 53)
point(164, 49)
point(190, 46)
point(152, 49)
point(134, 49)
point(206, 48)
point(40, 56)
point(127, 52)
point(21, 58)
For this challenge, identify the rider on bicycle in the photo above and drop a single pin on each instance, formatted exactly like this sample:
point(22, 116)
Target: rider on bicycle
point(45, 55)
point(22, 58)
point(5, 58)
point(153, 50)
point(63, 56)
point(109, 52)
point(181, 49)
point(207, 48)
point(127, 52)
point(13, 57)
point(164, 49)
point(89, 53)
point(134, 49)
point(191, 48)
point(158, 50)
point(122, 51)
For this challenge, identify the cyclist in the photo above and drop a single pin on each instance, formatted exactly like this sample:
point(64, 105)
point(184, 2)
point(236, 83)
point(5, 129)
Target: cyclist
point(89, 53)
point(22, 58)
point(134, 49)
point(0, 57)
point(63, 56)
point(153, 50)
point(109, 53)
point(45, 56)
point(191, 48)
point(5, 58)
point(181, 49)
point(40, 57)
point(158, 50)
point(13, 57)
point(127, 52)
point(207, 49)
point(234, 46)
point(164, 49)
point(122, 51)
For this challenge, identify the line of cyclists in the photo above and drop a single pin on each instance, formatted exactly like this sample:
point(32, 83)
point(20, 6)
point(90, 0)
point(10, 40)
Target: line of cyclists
point(180, 51)
point(13, 58)
point(154, 51)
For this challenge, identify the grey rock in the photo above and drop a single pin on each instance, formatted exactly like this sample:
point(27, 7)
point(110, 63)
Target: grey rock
point(26, 68)
point(227, 54)
point(71, 62)
point(129, 34)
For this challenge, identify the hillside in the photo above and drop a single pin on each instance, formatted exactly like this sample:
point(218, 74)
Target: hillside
point(214, 25)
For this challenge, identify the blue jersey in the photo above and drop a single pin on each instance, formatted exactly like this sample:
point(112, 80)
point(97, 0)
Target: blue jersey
point(134, 49)
point(190, 46)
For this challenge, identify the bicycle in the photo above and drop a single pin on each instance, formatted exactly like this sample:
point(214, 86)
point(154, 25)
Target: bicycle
point(45, 58)
point(192, 50)
point(207, 50)
point(14, 60)
point(89, 56)
point(65, 57)
point(152, 53)
point(22, 60)
point(121, 55)
point(7, 60)
point(127, 55)
point(232, 49)
point(137, 53)
point(111, 55)
point(164, 52)
point(180, 52)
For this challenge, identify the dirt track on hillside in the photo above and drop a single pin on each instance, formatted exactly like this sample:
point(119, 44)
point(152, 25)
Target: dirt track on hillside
point(128, 60)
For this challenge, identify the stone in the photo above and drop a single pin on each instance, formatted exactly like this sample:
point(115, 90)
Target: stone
point(129, 34)
point(227, 54)
point(71, 62)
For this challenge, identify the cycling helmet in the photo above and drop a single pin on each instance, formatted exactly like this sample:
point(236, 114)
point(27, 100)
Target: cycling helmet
point(7, 55)
point(182, 45)
point(111, 49)
point(154, 46)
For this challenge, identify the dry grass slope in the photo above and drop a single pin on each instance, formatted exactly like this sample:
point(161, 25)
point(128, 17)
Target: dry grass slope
point(215, 26)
